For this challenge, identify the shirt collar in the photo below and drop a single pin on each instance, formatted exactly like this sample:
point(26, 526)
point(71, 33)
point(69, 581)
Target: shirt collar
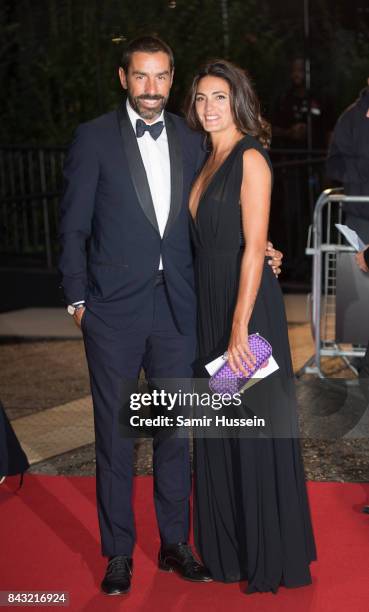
point(133, 116)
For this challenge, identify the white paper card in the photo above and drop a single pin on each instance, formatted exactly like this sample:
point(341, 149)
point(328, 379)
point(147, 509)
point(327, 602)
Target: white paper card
point(351, 236)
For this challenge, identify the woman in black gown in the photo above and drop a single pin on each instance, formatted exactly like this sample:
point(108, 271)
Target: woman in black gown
point(252, 519)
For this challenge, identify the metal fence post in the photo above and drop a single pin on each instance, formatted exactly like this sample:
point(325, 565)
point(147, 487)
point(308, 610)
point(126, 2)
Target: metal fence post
point(45, 210)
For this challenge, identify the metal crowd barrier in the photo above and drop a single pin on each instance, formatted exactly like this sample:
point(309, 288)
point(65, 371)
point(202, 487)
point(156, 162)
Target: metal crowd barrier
point(325, 242)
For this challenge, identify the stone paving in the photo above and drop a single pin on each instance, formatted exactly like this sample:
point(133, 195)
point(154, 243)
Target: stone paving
point(45, 389)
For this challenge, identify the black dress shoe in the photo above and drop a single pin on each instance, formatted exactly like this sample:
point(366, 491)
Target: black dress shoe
point(117, 579)
point(179, 558)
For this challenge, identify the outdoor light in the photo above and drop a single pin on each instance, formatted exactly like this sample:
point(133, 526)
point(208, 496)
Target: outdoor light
point(118, 39)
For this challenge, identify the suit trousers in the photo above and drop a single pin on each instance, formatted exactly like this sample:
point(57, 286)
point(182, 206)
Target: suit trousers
point(115, 358)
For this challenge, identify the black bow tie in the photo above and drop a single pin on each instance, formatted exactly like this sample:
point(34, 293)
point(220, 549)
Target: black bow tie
point(155, 129)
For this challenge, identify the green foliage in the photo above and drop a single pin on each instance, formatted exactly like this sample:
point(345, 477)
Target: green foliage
point(58, 64)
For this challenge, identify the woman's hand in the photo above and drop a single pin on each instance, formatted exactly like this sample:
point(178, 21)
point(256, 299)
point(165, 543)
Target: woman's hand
point(239, 350)
point(275, 258)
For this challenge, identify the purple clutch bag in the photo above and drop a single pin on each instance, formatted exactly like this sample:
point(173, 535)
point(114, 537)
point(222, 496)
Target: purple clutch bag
point(226, 381)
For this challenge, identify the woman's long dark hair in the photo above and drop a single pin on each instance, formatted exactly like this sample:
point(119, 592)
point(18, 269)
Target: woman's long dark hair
point(245, 104)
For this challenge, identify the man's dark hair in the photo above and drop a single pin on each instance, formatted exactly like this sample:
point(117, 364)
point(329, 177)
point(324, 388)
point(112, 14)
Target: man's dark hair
point(146, 44)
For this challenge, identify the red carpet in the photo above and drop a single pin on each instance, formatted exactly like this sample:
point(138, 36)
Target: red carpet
point(49, 542)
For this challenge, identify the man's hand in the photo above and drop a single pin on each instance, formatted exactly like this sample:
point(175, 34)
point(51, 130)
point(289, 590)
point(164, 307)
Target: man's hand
point(78, 314)
point(361, 261)
point(275, 258)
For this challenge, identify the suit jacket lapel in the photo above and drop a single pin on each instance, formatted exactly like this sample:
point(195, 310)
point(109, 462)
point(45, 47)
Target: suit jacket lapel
point(136, 166)
point(176, 172)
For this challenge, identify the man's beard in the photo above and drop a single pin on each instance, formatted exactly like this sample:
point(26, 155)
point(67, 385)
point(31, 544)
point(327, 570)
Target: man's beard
point(147, 113)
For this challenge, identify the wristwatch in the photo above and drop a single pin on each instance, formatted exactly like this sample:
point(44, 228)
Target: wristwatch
point(72, 309)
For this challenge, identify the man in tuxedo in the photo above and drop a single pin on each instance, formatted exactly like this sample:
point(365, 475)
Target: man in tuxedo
point(127, 275)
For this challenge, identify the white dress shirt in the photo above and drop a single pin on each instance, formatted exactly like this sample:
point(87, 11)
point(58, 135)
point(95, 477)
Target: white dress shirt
point(155, 157)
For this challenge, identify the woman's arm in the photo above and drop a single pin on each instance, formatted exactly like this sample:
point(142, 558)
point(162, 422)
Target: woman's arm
point(255, 203)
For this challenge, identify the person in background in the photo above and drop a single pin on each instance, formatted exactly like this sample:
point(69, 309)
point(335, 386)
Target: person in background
point(348, 161)
point(12, 457)
point(290, 131)
point(362, 260)
point(290, 116)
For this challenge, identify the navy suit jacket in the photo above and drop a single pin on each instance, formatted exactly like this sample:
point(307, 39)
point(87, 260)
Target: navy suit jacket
point(109, 236)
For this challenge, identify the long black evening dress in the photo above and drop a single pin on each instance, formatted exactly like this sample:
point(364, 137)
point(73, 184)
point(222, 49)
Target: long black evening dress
point(252, 519)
